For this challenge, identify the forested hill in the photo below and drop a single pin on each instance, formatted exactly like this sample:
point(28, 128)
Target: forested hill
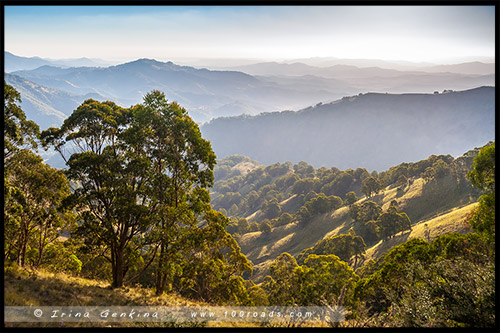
point(289, 208)
point(372, 131)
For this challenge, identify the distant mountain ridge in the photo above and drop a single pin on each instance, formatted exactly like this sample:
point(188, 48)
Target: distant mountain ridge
point(208, 94)
point(351, 71)
point(46, 106)
point(371, 130)
point(13, 62)
point(203, 92)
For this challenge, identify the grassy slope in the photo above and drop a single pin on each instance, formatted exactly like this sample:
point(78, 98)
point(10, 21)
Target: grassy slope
point(27, 287)
point(442, 205)
point(451, 221)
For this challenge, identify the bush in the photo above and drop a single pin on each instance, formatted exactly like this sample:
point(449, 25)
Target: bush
point(62, 259)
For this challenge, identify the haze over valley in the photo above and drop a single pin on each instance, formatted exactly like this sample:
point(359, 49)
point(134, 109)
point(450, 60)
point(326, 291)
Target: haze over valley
point(50, 94)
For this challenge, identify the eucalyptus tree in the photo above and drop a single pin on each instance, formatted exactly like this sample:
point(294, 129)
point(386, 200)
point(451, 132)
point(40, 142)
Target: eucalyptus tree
point(180, 169)
point(18, 131)
point(143, 175)
point(34, 212)
point(110, 191)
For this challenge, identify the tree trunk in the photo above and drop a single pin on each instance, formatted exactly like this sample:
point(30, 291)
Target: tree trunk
point(160, 275)
point(117, 266)
point(41, 247)
point(23, 244)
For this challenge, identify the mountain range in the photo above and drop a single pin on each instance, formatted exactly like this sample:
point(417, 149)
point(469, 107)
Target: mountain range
point(372, 131)
point(45, 105)
point(13, 62)
point(206, 94)
point(250, 89)
point(392, 116)
point(350, 71)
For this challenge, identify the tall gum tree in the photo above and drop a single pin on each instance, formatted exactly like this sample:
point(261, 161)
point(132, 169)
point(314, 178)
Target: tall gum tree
point(143, 175)
point(110, 187)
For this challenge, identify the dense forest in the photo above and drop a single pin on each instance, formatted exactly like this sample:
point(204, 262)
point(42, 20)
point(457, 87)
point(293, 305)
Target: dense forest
point(143, 201)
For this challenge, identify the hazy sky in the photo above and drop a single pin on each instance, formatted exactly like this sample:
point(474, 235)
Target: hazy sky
point(419, 34)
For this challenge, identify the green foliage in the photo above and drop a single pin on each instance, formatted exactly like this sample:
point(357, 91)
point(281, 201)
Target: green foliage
point(303, 186)
point(372, 224)
point(280, 286)
point(284, 219)
point(482, 218)
point(303, 215)
point(424, 168)
point(208, 263)
point(482, 175)
point(109, 174)
point(62, 257)
point(18, 131)
point(350, 198)
point(340, 185)
point(323, 279)
point(433, 284)
point(303, 169)
point(278, 169)
point(323, 204)
point(368, 210)
point(371, 185)
point(143, 174)
point(343, 246)
point(258, 296)
point(33, 210)
point(271, 209)
point(265, 227)
point(392, 222)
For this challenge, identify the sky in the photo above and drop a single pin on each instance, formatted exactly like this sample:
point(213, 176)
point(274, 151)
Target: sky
point(438, 34)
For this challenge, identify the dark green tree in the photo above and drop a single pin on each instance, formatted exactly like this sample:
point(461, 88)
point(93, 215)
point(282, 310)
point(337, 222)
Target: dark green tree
point(344, 246)
point(350, 198)
point(482, 175)
point(18, 131)
point(281, 286)
point(371, 185)
point(111, 194)
point(34, 212)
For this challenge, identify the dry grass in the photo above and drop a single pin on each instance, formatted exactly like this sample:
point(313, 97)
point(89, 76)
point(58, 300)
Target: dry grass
point(244, 167)
point(26, 287)
point(449, 222)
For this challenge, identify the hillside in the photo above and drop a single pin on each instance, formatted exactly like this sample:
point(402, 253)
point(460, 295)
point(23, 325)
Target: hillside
point(263, 248)
point(372, 131)
point(44, 105)
point(256, 195)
